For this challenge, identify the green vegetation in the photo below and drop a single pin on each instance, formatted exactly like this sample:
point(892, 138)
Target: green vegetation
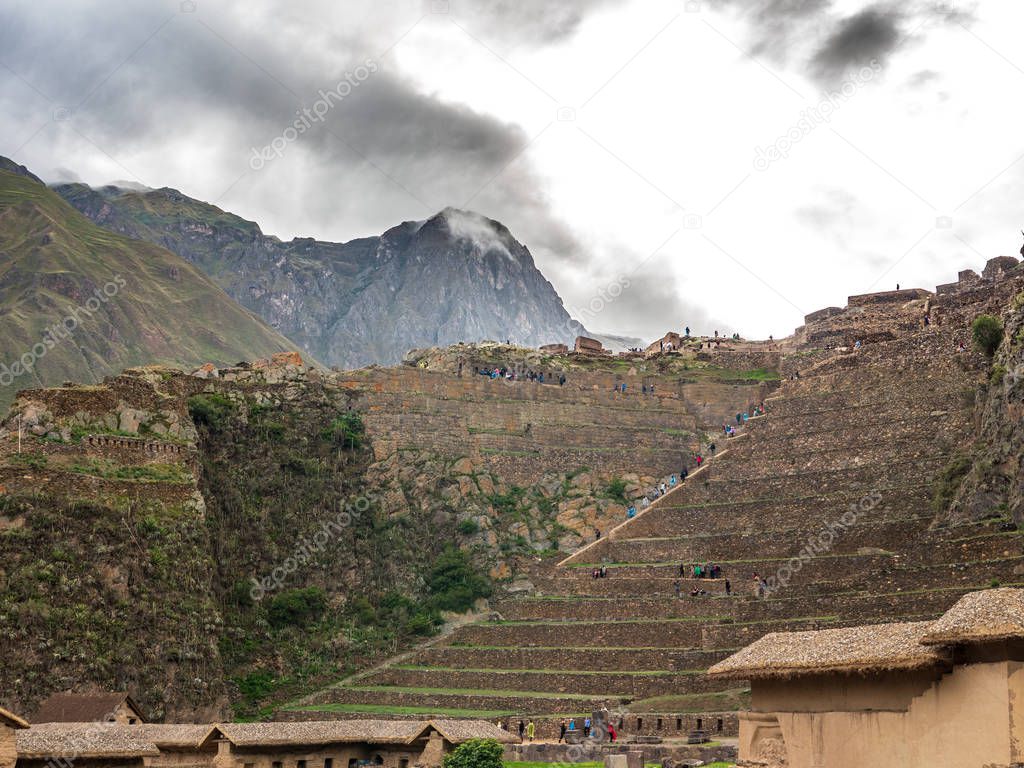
point(987, 332)
point(616, 490)
point(346, 431)
point(110, 470)
point(475, 753)
point(468, 527)
point(949, 481)
point(454, 582)
point(296, 607)
point(211, 410)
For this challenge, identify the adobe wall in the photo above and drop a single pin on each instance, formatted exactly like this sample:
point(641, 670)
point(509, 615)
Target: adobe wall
point(960, 721)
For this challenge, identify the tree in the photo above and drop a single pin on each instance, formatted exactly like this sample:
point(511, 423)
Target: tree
point(475, 753)
point(987, 331)
point(454, 583)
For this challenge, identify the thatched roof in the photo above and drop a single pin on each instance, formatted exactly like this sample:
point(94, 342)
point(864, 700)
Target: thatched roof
point(83, 707)
point(74, 740)
point(986, 616)
point(176, 735)
point(11, 720)
point(458, 731)
point(354, 731)
point(870, 648)
point(322, 732)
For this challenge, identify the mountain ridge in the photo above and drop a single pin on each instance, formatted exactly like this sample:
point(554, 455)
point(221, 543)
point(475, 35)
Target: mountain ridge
point(455, 276)
point(79, 302)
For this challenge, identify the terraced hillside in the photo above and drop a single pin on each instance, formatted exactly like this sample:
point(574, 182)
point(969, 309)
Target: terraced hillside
point(830, 497)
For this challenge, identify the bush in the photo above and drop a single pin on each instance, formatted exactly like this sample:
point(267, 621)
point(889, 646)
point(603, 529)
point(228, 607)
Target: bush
point(616, 490)
point(987, 331)
point(475, 753)
point(949, 481)
point(468, 527)
point(212, 410)
point(346, 431)
point(454, 583)
point(997, 375)
point(296, 607)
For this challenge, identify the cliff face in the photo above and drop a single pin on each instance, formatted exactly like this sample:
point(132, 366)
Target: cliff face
point(457, 276)
point(991, 473)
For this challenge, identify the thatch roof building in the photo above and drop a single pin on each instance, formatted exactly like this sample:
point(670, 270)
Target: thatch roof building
point(871, 648)
point(948, 692)
point(115, 707)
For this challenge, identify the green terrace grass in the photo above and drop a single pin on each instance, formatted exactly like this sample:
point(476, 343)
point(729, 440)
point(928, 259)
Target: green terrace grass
point(471, 646)
point(692, 702)
point(565, 672)
point(485, 692)
point(384, 709)
point(592, 622)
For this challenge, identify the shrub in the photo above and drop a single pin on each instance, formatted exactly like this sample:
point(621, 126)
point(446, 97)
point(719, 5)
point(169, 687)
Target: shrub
point(468, 527)
point(422, 624)
point(616, 490)
point(296, 607)
point(987, 331)
point(212, 410)
point(346, 431)
point(997, 375)
point(475, 753)
point(454, 583)
point(948, 482)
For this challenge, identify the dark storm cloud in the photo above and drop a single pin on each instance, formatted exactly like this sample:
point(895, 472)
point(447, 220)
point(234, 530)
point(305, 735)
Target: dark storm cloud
point(858, 40)
point(813, 33)
point(218, 82)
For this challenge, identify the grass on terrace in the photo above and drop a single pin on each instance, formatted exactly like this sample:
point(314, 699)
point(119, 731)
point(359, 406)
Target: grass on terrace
point(385, 709)
point(566, 672)
point(473, 692)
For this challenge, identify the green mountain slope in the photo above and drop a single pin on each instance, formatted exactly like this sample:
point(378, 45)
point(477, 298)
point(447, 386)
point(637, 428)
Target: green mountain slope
point(78, 302)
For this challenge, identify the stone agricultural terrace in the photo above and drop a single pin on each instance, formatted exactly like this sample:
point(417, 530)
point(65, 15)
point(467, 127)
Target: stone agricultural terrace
point(828, 497)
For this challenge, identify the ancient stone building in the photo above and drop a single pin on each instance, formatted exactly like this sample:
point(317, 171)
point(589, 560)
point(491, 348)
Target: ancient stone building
point(916, 694)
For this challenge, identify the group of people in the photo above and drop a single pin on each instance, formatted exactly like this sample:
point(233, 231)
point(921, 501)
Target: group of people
point(511, 375)
point(599, 573)
point(528, 729)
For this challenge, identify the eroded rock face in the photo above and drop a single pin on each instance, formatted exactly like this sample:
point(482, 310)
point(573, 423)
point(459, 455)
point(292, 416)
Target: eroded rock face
point(994, 484)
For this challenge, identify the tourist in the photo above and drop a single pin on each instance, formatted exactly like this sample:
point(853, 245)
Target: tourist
point(572, 725)
point(645, 502)
point(631, 512)
point(712, 449)
point(561, 731)
point(671, 481)
point(757, 584)
point(728, 588)
point(682, 569)
point(643, 389)
point(678, 587)
point(598, 536)
point(530, 730)
point(586, 726)
point(611, 732)
point(522, 728)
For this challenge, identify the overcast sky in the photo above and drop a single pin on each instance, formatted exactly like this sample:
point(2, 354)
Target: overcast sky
point(632, 145)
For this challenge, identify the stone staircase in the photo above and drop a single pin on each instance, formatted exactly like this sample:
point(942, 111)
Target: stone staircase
point(846, 458)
